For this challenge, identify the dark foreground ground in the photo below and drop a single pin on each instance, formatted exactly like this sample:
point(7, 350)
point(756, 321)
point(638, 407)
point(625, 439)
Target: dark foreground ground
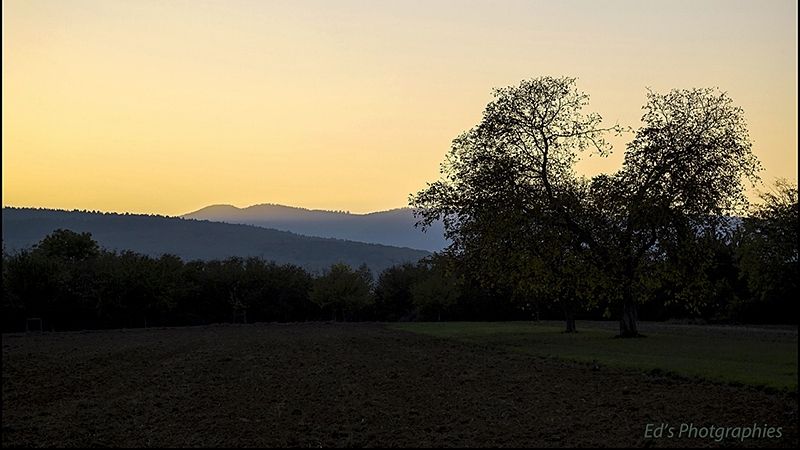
point(314, 385)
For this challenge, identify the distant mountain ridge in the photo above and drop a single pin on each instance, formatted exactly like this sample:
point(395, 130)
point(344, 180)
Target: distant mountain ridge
point(198, 239)
point(394, 227)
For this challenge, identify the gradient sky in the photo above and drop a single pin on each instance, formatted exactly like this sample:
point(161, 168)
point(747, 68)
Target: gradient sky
point(168, 106)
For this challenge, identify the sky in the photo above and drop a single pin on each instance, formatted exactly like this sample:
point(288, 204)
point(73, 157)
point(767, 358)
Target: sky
point(167, 106)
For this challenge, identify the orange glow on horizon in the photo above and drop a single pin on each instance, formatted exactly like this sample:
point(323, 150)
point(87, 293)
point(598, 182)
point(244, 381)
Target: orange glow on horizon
point(166, 107)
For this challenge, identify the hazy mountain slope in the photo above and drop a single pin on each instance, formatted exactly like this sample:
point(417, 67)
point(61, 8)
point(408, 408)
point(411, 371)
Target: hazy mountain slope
point(194, 239)
point(393, 227)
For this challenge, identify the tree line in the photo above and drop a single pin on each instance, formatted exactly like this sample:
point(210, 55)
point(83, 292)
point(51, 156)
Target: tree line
point(70, 283)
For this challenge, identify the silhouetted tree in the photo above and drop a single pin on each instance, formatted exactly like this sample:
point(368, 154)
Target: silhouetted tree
point(681, 176)
point(508, 197)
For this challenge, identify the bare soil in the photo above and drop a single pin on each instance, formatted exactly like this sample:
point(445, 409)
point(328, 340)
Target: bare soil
point(346, 385)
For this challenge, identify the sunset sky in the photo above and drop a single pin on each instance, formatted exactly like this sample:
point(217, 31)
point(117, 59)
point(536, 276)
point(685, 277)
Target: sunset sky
point(168, 106)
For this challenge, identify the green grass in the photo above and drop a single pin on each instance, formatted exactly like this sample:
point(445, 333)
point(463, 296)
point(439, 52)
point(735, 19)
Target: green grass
point(757, 357)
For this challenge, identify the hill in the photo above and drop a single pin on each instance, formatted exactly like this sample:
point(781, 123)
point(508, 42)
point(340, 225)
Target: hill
point(393, 227)
point(196, 239)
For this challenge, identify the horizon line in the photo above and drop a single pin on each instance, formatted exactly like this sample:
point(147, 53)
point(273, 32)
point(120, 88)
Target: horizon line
point(151, 213)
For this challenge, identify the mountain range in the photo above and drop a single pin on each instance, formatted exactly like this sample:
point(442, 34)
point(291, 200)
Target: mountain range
point(393, 227)
point(193, 239)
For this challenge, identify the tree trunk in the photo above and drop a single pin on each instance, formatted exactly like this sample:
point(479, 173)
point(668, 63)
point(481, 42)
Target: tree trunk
point(569, 317)
point(628, 323)
point(628, 326)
